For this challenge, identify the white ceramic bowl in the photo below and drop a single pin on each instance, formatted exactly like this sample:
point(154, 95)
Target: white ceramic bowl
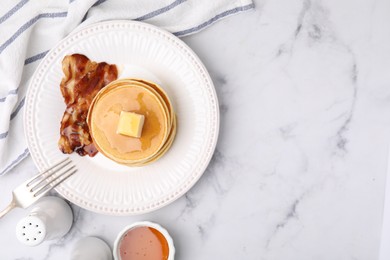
point(162, 230)
point(91, 248)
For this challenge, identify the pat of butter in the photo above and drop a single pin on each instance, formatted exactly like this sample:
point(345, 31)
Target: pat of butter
point(130, 124)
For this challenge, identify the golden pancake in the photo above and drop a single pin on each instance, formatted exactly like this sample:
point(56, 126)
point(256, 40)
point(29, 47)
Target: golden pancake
point(162, 151)
point(104, 118)
point(159, 90)
point(141, 97)
point(160, 94)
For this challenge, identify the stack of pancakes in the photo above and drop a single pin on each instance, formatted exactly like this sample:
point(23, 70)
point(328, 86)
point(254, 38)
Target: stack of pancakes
point(141, 97)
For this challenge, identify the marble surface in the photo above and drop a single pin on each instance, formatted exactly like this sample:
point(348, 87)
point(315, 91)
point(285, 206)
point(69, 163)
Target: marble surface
point(300, 167)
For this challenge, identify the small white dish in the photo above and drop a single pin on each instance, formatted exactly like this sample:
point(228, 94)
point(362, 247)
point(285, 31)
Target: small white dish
point(163, 231)
point(91, 248)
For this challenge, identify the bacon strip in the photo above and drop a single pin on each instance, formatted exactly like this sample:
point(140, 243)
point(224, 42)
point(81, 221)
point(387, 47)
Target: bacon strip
point(81, 82)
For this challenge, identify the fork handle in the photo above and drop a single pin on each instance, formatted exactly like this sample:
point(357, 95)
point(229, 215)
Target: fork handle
point(11, 206)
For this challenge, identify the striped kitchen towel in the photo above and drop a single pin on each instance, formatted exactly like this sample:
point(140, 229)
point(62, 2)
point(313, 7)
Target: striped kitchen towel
point(29, 28)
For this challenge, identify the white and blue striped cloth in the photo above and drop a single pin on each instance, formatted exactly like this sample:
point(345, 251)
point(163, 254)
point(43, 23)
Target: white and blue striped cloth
point(29, 28)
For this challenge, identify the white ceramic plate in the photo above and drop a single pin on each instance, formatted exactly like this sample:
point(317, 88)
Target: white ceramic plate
point(143, 51)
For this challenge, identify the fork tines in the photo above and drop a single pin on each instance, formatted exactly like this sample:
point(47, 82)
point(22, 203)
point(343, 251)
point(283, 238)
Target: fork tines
point(51, 177)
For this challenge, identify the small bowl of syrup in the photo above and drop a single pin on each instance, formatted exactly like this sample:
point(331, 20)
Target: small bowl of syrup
point(144, 241)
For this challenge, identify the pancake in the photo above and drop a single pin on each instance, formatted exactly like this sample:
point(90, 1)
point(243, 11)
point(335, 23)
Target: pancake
point(160, 94)
point(105, 117)
point(141, 97)
point(162, 151)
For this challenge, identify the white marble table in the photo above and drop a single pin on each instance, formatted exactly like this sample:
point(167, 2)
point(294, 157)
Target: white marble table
point(299, 171)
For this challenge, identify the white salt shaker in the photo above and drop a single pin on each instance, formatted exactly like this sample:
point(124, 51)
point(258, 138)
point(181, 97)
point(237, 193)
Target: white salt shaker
point(50, 218)
point(91, 248)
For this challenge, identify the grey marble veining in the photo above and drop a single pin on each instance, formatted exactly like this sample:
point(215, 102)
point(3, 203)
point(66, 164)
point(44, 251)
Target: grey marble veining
point(299, 169)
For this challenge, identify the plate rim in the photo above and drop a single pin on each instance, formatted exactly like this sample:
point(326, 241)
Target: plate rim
point(37, 77)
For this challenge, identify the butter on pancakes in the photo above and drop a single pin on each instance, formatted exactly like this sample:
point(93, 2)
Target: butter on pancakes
point(141, 97)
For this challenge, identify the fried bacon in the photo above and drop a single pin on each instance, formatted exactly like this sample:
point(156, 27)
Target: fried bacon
point(81, 82)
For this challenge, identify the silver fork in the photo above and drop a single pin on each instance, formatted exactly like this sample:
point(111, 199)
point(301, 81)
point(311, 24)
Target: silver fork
point(36, 187)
